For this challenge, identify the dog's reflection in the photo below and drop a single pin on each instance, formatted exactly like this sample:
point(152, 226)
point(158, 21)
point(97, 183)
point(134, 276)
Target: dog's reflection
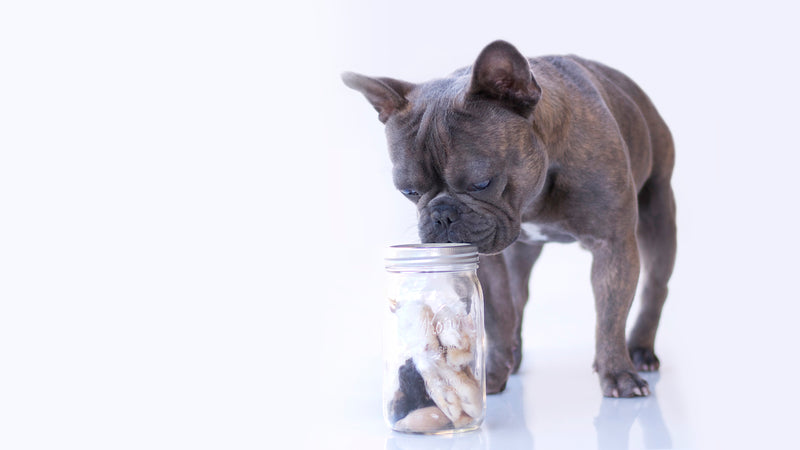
point(617, 415)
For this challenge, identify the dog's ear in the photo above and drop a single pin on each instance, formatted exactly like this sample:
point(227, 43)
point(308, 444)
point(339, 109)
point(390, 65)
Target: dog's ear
point(386, 94)
point(501, 73)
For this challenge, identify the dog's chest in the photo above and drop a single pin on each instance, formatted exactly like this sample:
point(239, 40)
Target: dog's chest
point(532, 233)
point(535, 233)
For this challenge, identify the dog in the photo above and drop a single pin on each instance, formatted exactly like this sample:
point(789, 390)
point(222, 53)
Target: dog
point(512, 153)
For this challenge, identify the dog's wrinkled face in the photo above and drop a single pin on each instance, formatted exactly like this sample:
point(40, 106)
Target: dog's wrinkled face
point(463, 148)
point(464, 167)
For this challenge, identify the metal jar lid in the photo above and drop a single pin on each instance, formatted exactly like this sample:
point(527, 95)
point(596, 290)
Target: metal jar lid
point(443, 257)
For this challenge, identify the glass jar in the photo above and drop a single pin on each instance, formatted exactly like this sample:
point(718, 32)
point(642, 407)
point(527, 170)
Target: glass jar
point(434, 346)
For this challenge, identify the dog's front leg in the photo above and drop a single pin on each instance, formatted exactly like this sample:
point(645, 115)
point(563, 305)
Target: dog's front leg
point(501, 320)
point(615, 272)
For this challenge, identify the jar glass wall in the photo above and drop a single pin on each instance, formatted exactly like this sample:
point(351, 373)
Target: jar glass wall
point(434, 346)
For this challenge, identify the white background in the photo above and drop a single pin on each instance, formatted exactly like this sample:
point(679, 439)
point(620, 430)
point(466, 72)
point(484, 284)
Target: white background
point(193, 210)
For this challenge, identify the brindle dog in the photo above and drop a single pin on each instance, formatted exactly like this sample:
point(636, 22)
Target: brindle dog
point(512, 153)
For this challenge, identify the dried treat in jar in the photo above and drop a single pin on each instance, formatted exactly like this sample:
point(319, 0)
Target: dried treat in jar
point(411, 393)
point(425, 420)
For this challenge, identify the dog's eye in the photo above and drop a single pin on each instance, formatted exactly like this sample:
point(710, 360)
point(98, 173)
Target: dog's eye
point(409, 192)
point(479, 186)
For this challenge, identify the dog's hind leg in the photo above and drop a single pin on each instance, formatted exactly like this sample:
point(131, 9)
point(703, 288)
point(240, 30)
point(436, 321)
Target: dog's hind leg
point(656, 235)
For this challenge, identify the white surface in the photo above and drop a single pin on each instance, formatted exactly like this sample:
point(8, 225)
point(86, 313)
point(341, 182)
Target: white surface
point(193, 210)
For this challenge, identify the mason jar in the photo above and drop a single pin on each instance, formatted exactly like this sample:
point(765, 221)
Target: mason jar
point(434, 346)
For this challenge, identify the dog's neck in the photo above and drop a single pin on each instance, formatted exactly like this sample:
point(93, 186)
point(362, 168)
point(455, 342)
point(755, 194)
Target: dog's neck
point(551, 117)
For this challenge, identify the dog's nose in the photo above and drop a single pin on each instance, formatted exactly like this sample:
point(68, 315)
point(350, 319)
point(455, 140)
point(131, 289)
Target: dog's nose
point(443, 215)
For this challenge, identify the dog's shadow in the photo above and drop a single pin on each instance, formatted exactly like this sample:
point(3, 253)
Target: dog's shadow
point(617, 415)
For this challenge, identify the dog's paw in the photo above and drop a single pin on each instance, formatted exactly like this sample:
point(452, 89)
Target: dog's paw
point(496, 383)
point(644, 359)
point(517, 359)
point(624, 383)
point(498, 369)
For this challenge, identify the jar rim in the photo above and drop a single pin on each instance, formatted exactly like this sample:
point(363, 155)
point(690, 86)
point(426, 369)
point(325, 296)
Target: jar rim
point(431, 257)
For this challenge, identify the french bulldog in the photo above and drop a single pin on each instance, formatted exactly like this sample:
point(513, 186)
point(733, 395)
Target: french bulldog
point(511, 153)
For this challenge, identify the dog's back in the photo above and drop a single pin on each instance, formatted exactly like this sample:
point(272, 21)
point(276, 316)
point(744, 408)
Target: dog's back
point(648, 139)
